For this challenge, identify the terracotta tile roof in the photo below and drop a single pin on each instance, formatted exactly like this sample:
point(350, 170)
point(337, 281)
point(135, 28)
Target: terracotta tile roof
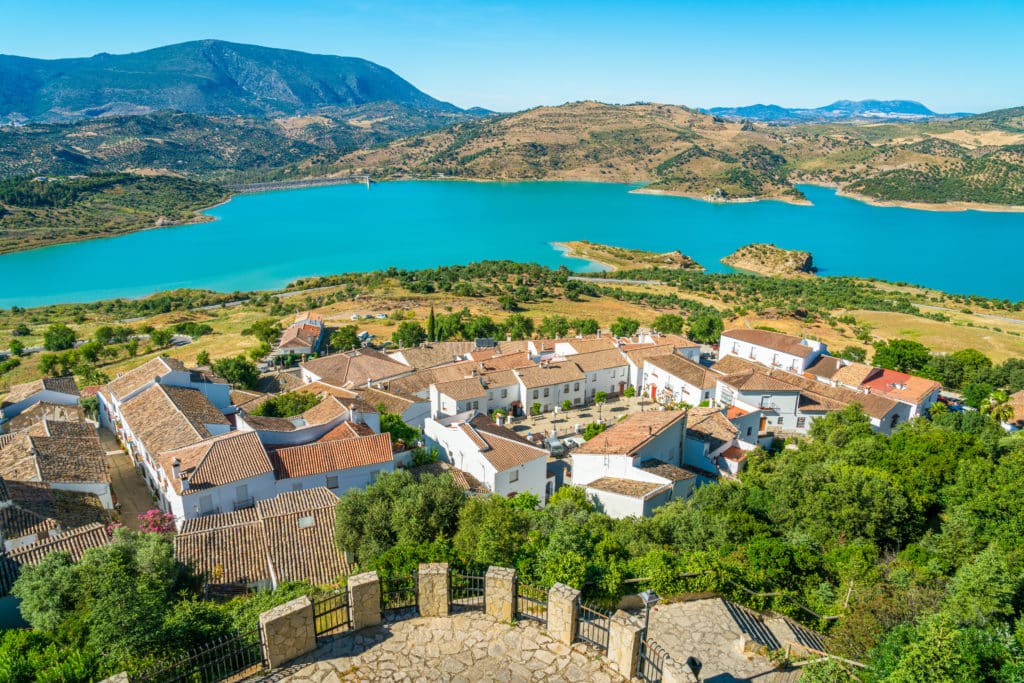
point(348, 430)
point(223, 519)
point(638, 354)
point(500, 379)
point(711, 425)
point(393, 403)
point(734, 453)
point(599, 360)
point(326, 388)
point(231, 552)
point(555, 373)
point(836, 398)
point(504, 448)
point(216, 461)
point(435, 353)
point(54, 459)
point(633, 433)
point(75, 542)
point(755, 380)
point(733, 412)
point(686, 370)
point(291, 502)
point(75, 509)
point(728, 365)
point(248, 400)
point(591, 344)
point(676, 341)
point(293, 533)
point(19, 392)
point(62, 428)
point(464, 480)
point(44, 410)
point(784, 343)
point(322, 457)
point(902, 387)
point(462, 389)
point(328, 410)
point(300, 336)
point(309, 316)
point(627, 487)
point(164, 418)
point(853, 374)
point(825, 366)
point(666, 470)
point(136, 378)
point(355, 368)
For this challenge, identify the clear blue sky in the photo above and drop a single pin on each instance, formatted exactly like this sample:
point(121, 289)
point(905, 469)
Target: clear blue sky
point(963, 56)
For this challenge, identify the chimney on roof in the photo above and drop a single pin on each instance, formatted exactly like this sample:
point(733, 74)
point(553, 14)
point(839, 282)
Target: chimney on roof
point(176, 468)
point(184, 482)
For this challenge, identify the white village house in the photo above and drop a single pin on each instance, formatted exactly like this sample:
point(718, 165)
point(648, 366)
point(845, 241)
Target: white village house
point(771, 349)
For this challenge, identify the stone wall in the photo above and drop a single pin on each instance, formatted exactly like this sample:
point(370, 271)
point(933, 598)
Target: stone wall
point(563, 613)
point(287, 631)
point(433, 590)
point(624, 635)
point(500, 593)
point(364, 600)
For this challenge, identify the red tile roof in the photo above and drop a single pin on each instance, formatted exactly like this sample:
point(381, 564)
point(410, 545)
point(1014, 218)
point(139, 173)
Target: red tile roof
point(632, 434)
point(329, 456)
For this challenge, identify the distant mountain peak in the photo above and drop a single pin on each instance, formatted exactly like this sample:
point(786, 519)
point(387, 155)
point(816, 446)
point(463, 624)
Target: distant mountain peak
point(840, 110)
point(209, 76)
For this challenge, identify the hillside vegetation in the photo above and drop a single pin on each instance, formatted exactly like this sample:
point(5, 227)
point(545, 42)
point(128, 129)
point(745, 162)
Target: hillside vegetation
point(34, 212)
point(768, 259)
point(678, 150)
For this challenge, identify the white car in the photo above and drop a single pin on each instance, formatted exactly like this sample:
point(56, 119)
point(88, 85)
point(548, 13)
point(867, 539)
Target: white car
point(354, 316)
point(381, 316)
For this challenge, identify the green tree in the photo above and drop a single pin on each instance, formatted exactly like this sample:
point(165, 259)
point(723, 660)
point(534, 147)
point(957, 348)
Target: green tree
point(17, 347)
point(592, 430)
point(203, 358)
point(132, 347)
point(669, 323)
point(554, 326)
point(624, 327)
point(396, 427)
point(238, 371)
point(287, 405)
point(432, 326)
point(58, 337)
point(584, 326)
point(90, 351)
point(161, 338)
point(267, 330)
point(997, 407)
point(857, 354)
point(706, 327)
point(566, 404)
point(409, 334)
point(976, 393)
point(345, 338)
point(518, 326)
point(902, 355)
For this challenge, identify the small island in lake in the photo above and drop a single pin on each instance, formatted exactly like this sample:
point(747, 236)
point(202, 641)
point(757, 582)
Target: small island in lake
point(620, 258)
point(768, 259)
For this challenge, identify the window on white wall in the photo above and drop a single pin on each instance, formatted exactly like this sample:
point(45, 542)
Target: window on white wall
point(513, 476)
point(504, 393)
point(332, 482)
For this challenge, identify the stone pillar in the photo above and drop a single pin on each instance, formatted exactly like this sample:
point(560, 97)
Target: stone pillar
point(118, 678)
point(433, 590)
point(287, 631)
point(624, 636)
point(500, 593)
point(364, 600)
point(563, 613)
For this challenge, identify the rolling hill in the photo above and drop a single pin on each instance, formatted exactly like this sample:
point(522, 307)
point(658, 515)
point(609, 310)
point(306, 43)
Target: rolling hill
point(841, 110)
point(202, 77)
point(975, 160)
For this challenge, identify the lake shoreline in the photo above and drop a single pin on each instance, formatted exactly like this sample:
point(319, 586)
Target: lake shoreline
point(944, 207)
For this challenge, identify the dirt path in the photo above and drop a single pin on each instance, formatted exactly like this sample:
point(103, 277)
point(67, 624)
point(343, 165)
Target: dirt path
point(133, 497)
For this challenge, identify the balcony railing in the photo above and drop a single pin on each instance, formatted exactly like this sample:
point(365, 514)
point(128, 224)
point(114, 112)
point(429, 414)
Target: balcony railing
point(249, 502)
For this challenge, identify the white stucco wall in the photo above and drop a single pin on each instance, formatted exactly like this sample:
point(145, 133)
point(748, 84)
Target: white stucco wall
point(770, 357)
point(47, 395)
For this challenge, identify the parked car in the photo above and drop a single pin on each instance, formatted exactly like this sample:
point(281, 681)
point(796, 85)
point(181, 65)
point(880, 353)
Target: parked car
point(554, 445)
point(381, 316)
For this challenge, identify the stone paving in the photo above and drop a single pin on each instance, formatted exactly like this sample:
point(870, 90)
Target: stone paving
point(464, 648)
point(705, 629)
point(133, 496)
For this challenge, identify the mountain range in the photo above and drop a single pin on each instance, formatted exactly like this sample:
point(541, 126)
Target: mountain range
point(841, 110)
point(209, 77)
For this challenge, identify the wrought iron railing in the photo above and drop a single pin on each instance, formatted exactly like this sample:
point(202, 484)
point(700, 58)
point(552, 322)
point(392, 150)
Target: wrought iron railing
point(650, 662)
point(593, 626)
point(230, 658)
point(465, 592)
point(330, 613)
point(398, 592)
point(531, 603)
point(249, 502)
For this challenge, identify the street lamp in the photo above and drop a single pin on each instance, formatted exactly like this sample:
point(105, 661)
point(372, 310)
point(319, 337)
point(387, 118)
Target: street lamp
point(650, 599)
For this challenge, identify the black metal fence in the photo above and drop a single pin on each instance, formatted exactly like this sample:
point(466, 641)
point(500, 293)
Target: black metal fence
point(398, 592)
point(330, 613)
point(593, 626)
point(230, 658)
point(531, 603)
point(650, 662)
point(465, 592)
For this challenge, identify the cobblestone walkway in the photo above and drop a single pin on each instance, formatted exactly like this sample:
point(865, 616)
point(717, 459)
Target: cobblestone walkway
point(463, 648)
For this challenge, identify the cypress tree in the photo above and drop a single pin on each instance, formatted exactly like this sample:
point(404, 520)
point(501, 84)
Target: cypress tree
point(431, 327)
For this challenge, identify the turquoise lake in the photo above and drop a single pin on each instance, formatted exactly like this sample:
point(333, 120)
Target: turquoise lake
point(266, 240)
